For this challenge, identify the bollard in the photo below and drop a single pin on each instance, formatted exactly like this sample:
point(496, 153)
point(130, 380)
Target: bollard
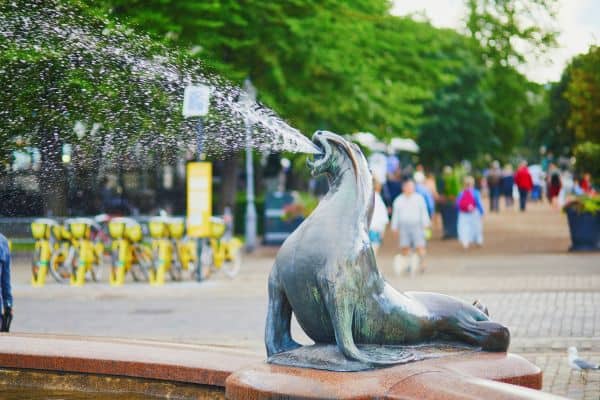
point(199, 276)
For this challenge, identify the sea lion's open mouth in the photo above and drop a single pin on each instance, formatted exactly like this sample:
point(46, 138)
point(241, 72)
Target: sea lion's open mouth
point(321, 158)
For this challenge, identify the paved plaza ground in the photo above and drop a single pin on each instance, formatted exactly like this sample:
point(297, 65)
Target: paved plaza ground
point(548, 297)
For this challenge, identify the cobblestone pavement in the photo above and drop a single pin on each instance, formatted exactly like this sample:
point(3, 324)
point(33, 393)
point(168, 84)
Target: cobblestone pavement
point(549, 298)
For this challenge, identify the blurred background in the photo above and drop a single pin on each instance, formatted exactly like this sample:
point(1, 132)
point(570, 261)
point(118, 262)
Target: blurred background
point(473, 80)
point(504, 94)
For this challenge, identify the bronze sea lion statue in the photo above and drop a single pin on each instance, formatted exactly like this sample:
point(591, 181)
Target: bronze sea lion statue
point(327, 275)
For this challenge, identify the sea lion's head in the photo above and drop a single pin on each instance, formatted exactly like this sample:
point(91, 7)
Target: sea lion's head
point(340, 157)
point(337, 155)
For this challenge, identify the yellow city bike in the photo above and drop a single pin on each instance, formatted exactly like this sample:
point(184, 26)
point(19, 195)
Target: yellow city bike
point(63, 254)
point(221, 250)
point(185, 248)
point(42, 232)
point(172, 251)
point(128, 254)
point(88, 254)
point(163, 252)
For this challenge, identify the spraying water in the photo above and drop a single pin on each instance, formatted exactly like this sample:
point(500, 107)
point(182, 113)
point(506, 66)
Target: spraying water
point(142, 112)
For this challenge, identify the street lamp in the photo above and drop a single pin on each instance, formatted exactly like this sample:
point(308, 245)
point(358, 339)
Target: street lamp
point(196, 99)
point(250, 98)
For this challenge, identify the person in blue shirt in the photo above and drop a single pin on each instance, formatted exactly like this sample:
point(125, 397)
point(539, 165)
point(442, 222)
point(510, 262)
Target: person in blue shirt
point(470, 213)
point(427, 196)
point(6, 298)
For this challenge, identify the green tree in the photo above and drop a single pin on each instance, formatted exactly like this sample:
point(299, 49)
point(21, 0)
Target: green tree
point(345, 66)
point(573, 106)
point(583, 94)
point(295, 56)
point(458, 123)
point(55, 74)
point(552, 130)
point(587, 155)
point(510, 31)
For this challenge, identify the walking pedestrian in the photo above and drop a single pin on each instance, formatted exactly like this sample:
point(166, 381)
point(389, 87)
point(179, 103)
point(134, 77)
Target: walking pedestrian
point(494, 181)
point(392, 188)
point(537, 177)
point(6, 299)
point(586, 183)
point(554, 185)
point(424, 191)
point(419, 174)
point(379, 220)
point(410, 219)
point(507, 184)
point(524, 184)
point(567, 186)
point(470, 213)
point(431, 185)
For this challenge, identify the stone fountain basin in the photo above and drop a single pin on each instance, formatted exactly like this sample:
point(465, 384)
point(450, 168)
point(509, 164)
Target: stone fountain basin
point(106, 365)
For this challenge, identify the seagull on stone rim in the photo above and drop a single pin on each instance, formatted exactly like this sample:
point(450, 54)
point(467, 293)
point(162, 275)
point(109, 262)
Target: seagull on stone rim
point(580, 364)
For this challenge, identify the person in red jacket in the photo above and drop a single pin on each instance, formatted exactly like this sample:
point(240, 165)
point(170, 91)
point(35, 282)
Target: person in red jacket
point(524, 183)
point(586, 183)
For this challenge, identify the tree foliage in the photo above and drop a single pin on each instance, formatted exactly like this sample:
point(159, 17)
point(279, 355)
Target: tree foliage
point(509, 32)
point(583, 94)
point(552, 131)
point(573, 111)
point(67, 69)
point(458, 123)
point(339, 65)
point(587, 156)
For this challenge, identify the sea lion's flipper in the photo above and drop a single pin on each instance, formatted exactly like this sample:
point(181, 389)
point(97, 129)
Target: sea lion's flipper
point(340, 305)
point(489, 335)
point(278, 337)
point(481, 307)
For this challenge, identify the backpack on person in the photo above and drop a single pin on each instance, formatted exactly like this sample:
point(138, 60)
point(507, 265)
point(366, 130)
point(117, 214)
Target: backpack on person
point(467, 201)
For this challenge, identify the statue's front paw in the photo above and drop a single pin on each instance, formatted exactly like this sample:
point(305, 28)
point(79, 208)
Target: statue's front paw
point(290, 345)
point(286, 345)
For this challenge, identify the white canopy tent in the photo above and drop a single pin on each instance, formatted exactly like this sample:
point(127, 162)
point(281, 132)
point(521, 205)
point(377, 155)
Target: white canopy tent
point(401, 144)
point(370, 141)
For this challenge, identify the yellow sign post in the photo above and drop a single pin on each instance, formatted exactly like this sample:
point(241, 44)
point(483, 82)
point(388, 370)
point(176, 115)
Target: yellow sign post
point(199, 199)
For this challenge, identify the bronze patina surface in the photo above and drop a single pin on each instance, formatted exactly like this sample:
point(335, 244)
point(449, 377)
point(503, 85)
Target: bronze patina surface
point(329, 357)
point(327, 275)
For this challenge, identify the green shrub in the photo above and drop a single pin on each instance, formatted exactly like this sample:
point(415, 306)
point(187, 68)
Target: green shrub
point(240, 213)
point(304, 204)
point(587, 158)
point(584, 204)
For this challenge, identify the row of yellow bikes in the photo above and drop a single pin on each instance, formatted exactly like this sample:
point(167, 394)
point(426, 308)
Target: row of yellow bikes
point(78, 249)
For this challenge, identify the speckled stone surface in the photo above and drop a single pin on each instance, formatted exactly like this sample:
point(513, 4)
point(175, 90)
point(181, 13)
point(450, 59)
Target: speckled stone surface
point(130, 358)
point(246, 375)
point(464, 376)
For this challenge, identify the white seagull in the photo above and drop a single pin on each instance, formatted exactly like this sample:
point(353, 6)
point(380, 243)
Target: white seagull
point(579, 364)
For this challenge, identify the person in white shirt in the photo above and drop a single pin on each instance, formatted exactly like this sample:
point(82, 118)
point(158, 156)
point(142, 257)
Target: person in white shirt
point(379, 220)
point(410, 219)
